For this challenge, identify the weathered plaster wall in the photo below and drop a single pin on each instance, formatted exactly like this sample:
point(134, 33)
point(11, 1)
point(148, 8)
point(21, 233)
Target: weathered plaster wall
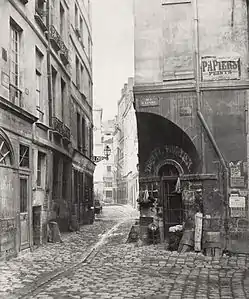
point(164, 37)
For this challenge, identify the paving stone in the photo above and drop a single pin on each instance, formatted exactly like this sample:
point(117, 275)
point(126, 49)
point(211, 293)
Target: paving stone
point(120, 270)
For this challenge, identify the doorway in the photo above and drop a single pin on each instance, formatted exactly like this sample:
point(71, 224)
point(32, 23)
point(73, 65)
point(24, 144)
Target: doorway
point(24, 214)
point(37, 225)
point(173, 210)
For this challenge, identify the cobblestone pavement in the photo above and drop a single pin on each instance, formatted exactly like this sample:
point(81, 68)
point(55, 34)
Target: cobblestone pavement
point(119, 270)
point(22, 274)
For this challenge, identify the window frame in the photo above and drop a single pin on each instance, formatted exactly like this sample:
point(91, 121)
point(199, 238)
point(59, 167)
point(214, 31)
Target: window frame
point(41, 171)
point(77, 68)
point(21, 157)
point(76, 16)
point(108, 192)
point(14, 30)
point(62, 15)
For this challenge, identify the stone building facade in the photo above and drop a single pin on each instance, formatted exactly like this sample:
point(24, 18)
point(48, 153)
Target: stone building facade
point(191, 101)
point(45, 119)
point(105, 171)
point(127, 148)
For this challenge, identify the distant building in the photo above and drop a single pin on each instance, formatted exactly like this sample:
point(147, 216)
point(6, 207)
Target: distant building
point(127, 148)
point(104, 175)
point(98, 151)
point(45, 119)
point(109, 166)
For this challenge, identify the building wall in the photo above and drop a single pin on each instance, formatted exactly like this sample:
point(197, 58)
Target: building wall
point(104, 175)
point(98, 150)
point(97, 132)
point(164, 37)
point(109, 168)
point(176, 83)
point(45, 124)
point(127, 144)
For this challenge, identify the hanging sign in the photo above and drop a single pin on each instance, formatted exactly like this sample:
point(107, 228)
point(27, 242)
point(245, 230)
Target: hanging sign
point(98, 159)
point(220, 68)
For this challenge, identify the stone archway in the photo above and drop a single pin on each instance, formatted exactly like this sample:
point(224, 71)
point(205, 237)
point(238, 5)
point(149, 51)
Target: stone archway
point(8, 197)
point(160, 140)
point(168, 155)
point(169, 167)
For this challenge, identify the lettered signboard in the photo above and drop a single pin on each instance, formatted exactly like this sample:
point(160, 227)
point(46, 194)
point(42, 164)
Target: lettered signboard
point(237, 205)
point(220, 68)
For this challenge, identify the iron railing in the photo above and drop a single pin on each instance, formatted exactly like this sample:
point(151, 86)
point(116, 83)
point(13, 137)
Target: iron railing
point(58, 44)
point(64, 52)
point(61, 128)
point(55, 38)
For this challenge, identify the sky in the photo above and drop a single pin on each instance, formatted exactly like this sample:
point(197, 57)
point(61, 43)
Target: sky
point(113, 54)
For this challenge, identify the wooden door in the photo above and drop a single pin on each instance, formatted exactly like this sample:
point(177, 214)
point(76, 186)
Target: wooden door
point(172, 206)
point(24, 213)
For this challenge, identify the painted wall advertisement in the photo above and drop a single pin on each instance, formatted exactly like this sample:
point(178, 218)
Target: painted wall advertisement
point(220, 68)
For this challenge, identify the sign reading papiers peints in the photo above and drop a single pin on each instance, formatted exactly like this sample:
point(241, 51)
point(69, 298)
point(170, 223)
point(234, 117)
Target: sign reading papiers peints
point(220, 68)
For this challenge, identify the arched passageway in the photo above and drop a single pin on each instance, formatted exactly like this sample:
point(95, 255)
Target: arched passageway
point(161, 140)
point(166, 153)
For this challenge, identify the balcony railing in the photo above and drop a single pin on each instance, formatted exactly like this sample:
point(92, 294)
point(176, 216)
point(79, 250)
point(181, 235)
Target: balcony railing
point(59, 45)
point(64, 52)
point(66, 132)
point(15, 95)
point(40, 16)
point(61, 128)
point(55, 38)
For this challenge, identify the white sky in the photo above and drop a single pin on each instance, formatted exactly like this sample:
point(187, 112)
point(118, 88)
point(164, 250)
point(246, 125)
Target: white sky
point(113, 53)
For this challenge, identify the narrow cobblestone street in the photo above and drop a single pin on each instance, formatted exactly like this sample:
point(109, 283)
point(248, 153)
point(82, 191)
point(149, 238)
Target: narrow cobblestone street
point(115, 269)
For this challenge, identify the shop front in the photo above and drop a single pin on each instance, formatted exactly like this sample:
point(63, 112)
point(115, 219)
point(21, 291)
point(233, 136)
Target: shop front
point(173, 188)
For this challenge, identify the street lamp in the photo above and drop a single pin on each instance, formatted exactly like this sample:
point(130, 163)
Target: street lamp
point(107, 152)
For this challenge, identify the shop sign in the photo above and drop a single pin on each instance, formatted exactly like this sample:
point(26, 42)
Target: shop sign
point(237, 205)
point(149, 102)
point(236, 201)
point(97, 159)
point(220, 68)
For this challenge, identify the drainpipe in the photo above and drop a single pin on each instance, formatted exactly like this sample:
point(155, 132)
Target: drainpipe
point(50, 111)
point(203, 121)
point(49, 92)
